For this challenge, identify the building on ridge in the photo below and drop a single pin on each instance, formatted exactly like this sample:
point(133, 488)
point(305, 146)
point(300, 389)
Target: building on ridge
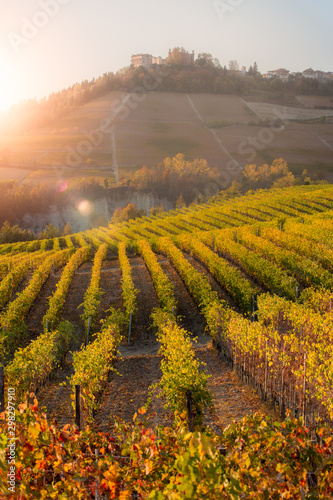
point(146, 60)
point(185, 58)
point(281, 73)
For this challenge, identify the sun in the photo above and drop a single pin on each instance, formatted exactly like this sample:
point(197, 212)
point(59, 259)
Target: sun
point(11, 81)
point(8, 96)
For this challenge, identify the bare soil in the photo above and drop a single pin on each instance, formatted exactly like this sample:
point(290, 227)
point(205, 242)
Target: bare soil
point(39, 309)
point(139, 366)
point(55, 397)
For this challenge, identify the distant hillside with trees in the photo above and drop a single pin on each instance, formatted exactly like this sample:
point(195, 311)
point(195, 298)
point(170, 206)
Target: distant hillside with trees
point(205, 75)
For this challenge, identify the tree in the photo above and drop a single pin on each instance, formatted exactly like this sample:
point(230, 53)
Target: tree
point(175, 56)
point(205, 60)
point(67, 229)
point(253, 70)
point(233, 65)
point(286, 181)
point(156, 210)
point(130, 212)
point(180, 201)
point(50, 232)
point(13, 234)
point(264, 176)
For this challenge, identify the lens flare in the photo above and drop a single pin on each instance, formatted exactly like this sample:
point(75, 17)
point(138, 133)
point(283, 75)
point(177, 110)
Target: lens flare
point(62, 186)
point(85, 207)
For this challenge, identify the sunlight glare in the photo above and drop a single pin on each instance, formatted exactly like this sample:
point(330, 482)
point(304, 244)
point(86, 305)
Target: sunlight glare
point(85, 207)
point(10, 83)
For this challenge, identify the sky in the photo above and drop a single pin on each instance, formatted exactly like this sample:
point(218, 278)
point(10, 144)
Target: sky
point(48, 45)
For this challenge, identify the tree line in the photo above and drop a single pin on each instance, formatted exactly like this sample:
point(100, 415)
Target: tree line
point(176, 179)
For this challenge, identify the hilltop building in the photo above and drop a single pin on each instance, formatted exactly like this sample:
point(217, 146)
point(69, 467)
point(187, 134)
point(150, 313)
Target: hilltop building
point(281, 73)
point(285, 75)
point(185, 57)
point(319, 75)
point(146, 60)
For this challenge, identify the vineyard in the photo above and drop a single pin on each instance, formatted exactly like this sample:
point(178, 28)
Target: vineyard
point(126, 334)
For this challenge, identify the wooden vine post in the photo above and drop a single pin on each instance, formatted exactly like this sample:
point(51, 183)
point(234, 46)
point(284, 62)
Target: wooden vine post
point(96, 483)
point(88, 330)
point(266, 372)
point(282, 393)
point(130, 328)
point(304, 390)
point(77, 407)
point(189, 404)
point(2, 390)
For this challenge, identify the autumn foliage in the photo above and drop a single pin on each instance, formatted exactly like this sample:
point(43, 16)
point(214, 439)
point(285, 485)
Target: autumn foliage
point(254, 458)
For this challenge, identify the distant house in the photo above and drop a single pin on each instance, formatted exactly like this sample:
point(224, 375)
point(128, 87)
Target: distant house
point(158, 60)
point(316, 74)
point(281, 73)
point(308, 73)
point(146, 60)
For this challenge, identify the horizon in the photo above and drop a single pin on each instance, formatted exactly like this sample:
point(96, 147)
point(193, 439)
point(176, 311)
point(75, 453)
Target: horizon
point(45, 49)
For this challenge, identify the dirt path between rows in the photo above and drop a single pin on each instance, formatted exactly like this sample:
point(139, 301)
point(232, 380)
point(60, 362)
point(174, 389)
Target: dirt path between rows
point(54, 396)
point(39, 308)
point(139, 367)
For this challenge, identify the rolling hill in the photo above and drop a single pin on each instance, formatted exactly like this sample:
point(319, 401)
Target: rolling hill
point(132, 130)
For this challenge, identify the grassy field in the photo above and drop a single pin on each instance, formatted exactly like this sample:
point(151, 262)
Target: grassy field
point(152, 126)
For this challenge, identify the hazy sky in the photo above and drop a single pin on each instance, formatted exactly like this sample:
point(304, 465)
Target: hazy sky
point(47, 45)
